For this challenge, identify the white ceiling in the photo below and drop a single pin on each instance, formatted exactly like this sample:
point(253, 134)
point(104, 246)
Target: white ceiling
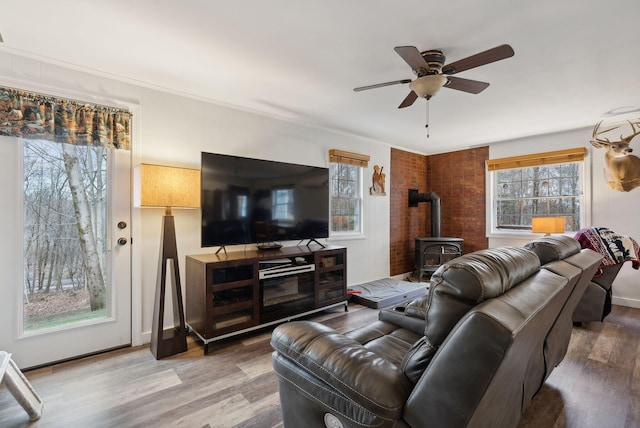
point(300, 59)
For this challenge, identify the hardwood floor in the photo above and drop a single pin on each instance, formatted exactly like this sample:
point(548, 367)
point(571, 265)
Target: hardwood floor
point(597, 384)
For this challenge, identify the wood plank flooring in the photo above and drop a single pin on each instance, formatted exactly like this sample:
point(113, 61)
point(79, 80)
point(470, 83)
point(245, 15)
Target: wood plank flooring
point(597, 384)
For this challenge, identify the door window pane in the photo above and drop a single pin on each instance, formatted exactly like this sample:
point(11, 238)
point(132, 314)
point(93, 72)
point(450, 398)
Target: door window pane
point(64, 206)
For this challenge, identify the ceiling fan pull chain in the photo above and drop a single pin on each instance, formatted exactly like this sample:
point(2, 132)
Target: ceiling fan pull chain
point(427, 125)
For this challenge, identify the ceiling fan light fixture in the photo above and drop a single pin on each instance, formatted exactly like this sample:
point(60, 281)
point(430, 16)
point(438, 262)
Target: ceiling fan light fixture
point(427, 86)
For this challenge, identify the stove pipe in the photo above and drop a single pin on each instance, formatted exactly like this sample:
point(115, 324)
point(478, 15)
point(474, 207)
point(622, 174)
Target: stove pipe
point(434, 199)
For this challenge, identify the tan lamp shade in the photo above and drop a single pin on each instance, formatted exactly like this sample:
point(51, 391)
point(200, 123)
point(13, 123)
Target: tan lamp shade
point(547, 225)
point(167, 186)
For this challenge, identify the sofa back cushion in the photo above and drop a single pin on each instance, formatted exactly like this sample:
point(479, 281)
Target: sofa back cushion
point(458, 286)
point(417, 308)
point(554, 247)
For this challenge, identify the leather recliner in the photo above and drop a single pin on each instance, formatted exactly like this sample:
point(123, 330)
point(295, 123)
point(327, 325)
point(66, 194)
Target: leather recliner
point(472, 352)
point(616, 250)
point(595, 304)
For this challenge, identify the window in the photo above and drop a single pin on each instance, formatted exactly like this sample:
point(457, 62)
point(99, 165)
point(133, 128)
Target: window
point(58, 265)
point(542, 185)
point(346, 191)
point(346, 198)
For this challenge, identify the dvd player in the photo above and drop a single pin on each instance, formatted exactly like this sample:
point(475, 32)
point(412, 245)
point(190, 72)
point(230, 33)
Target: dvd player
point(268, 264)
point(276, 271)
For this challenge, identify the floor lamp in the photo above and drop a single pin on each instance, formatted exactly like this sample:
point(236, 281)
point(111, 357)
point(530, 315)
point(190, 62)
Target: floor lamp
point(168, 187)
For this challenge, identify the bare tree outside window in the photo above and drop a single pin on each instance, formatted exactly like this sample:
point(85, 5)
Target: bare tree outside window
point(548, 190)
point(346, 198)
point(64, 233)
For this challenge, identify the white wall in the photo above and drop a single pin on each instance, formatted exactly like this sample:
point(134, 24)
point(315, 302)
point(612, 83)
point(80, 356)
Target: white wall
point(609, 208)
point(170, 129)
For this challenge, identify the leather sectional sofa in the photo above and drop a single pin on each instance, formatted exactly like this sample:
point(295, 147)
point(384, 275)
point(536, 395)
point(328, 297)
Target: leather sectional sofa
point(473, 351)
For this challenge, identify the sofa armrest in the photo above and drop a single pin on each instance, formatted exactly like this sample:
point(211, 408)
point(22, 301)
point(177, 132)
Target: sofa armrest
point(397, 316)
point(345, 365)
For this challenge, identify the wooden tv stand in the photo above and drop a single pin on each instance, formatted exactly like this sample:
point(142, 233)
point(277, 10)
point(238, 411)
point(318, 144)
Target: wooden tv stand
point(236, 292)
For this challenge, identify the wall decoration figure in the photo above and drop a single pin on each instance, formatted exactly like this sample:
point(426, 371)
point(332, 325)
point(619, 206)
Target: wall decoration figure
point(621, 168)
point(378, 178)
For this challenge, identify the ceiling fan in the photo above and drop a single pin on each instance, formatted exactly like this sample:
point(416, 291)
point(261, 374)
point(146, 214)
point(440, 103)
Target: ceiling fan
point(433, 75)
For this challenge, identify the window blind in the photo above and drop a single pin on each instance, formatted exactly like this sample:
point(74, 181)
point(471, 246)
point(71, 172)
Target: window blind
point(546, 158)
point(340, 156)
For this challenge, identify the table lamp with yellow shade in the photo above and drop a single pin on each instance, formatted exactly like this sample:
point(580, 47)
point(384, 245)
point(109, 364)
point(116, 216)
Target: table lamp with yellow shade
point(547, 225)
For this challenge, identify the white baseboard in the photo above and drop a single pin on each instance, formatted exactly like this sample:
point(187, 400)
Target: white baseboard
point(622, 301)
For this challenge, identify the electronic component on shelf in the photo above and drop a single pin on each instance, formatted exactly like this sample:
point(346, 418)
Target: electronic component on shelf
point(265, 246)
point(273, 263)
point(283, 270)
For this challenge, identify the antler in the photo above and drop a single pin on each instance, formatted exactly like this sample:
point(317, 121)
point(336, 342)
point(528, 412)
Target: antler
point(594, 135)
point(596, 132)
point(628, 138)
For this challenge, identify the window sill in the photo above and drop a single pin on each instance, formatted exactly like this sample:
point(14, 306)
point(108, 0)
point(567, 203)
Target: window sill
point(523, 235)
point(346, 237)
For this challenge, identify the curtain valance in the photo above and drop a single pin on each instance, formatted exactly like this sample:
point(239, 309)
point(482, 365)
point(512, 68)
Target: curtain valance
point(36, 116)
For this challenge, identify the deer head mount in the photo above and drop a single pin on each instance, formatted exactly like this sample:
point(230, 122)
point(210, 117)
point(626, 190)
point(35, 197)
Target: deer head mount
point(621, 168)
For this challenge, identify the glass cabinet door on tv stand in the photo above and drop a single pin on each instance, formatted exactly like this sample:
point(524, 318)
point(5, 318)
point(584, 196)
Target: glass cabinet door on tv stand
point(221, 297)
point(331, 275)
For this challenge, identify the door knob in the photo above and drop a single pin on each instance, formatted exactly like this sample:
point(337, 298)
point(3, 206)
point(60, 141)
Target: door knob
point(122, 241)
point(122, 225)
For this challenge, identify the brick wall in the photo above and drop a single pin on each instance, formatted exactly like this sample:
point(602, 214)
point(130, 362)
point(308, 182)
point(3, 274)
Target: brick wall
point(408, 171)
point(459, 179)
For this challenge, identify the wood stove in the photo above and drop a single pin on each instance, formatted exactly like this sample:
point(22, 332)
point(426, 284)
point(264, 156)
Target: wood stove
point(435, 251)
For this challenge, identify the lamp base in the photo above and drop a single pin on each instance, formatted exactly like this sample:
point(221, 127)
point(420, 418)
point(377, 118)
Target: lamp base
point(172, 342)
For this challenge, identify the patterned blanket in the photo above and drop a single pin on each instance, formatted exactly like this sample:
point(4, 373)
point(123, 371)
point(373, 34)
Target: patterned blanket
point(614, 248)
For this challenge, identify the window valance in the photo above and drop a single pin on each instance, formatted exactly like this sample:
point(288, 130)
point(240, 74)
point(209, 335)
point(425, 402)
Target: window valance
point(35, 116)
point(538, 159)
point(340, 156)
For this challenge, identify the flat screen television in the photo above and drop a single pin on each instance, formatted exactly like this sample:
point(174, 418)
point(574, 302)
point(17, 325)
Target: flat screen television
point(247, 201)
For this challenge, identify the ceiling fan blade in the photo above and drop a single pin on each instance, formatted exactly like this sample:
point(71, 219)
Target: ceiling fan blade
point(411, 55)
point(465, 85)
point(496, 54)
point(409, 100)
point(380, 85)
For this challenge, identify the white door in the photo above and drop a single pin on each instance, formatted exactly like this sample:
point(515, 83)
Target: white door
point(66, 252)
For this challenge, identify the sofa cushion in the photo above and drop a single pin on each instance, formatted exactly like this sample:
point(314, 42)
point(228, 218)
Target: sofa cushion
point(417, 359)
point(553, 247)
point(386, 339)
point(458, 286)
point(341, 364)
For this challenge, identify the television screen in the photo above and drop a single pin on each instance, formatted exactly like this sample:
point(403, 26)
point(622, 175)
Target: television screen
point(248, 201)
